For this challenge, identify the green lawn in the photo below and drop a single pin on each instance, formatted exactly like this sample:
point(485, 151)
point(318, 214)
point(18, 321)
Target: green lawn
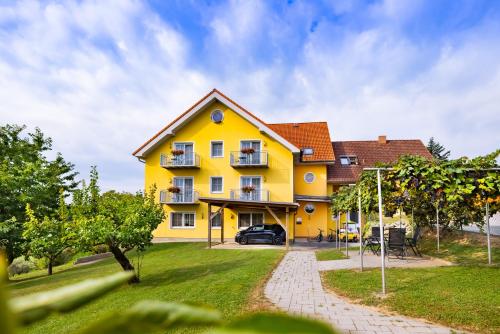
point(463, 296)
point(330, 254)
point(458, 296)
point(181, 272)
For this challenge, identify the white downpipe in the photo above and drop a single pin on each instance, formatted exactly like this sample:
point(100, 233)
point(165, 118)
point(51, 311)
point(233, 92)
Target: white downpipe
point(381, 225)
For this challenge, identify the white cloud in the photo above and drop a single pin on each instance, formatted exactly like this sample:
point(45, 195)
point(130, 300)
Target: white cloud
point(101, 77)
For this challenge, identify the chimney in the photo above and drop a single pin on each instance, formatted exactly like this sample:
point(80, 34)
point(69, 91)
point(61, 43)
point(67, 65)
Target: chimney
point(382, 139)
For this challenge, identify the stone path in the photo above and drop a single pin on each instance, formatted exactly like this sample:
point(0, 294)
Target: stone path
point(296, 288)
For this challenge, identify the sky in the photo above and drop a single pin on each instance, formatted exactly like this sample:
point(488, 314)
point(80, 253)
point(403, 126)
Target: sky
point(102, 77)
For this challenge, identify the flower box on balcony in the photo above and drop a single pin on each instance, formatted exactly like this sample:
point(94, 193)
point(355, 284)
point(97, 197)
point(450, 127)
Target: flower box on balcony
point(247, 150)
point(177, 152)
point(174, 190)
point(247, 189)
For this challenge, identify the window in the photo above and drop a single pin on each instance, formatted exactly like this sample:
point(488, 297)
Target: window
point(309, 208)
point(251, 188)
point(182, 220)
point(249, 219)
point(185, 189)
point(183, 154)
point(349, 160)
point(216, 184)
point(217, 149)
point(217, 116)
point(216, 221)
point(309, 177)
point(250, 152)
point(308, 151)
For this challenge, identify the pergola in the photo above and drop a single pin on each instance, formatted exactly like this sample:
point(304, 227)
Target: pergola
point(274, 208)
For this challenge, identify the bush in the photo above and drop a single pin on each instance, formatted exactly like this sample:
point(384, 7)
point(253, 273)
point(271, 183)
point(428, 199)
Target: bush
point(21, 265)
point(99, 249)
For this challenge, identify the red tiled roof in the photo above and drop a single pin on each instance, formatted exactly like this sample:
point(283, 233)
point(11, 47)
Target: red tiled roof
point(369, 153)
point(313, 135)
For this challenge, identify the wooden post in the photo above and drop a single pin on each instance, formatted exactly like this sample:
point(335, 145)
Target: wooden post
point(287, 228)
point(209, 216)
point(222, 226)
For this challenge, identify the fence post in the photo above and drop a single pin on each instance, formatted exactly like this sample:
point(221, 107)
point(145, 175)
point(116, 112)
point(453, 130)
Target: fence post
point(488, 230)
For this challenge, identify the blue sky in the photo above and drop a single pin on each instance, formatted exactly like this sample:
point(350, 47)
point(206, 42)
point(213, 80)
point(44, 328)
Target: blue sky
point(101, 77)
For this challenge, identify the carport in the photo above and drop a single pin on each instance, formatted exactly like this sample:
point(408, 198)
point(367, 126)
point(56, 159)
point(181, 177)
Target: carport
point(273, 208)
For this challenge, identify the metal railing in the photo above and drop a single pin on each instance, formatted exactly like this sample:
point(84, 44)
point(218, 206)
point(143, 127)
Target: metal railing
point(185, 160)
point(255, 159)
point(182, 197)
point(261, 195)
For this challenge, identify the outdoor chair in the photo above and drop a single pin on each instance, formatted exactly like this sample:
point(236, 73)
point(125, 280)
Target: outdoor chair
point(373, 241)
point(397, 241)
point(413, 241)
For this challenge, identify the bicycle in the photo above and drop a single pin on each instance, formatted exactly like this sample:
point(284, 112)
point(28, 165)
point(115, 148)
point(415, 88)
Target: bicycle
point(330, 237)
point(319, 237)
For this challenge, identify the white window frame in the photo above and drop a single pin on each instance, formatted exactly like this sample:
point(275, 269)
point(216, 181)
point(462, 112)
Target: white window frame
point(349, 161)
point(183, 220)
point(251, 218)
point(251, 140)
point(313, 175)
point(216, 192)
point(212, 153)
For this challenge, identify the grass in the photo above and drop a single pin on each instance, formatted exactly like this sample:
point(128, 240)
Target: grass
point(330, 254)
point(465, 296)
point(181, 272)
point(333, 253)
point(461, 297)
point(462, 248)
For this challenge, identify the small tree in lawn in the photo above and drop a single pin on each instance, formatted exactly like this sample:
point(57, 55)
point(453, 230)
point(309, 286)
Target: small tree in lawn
point(49, 237)
point(121, 221)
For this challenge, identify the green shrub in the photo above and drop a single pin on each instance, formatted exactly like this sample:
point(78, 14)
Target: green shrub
point(21, 265)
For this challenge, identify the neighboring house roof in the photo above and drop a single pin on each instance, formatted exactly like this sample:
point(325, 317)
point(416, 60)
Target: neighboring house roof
point(369, 153)
point(176, 124)
point(313, 135)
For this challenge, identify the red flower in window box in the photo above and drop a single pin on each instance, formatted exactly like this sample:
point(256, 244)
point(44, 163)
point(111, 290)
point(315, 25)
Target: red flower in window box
point(247, 150)
point(177, 152)
point(247, 189)
point(174, 190)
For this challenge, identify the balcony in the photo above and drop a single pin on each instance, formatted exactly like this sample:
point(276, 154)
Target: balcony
point(181, 197)
point(240, 159)
point(185, 160)
point(257, 195)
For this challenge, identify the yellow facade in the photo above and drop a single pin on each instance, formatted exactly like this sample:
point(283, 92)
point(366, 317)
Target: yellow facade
point(277, 178)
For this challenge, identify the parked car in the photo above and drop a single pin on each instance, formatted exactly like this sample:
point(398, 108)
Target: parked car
point(353, 233)
point(272, 234)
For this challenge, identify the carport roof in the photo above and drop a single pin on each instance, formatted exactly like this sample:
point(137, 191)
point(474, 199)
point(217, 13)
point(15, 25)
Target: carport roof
point(235, 204)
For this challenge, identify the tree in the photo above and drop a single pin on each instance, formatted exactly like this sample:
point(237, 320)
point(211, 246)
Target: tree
point(27, 176)
point(121, 221)
point(437, 150)
point(49, 237)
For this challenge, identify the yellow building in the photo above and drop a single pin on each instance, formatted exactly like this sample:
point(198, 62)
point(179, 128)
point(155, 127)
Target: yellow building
point(219, 162)
point(219, 155)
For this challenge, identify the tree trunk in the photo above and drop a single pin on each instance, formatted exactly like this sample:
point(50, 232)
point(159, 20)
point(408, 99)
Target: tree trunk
point(124, 262)
point(49, 267)
point(10, 255)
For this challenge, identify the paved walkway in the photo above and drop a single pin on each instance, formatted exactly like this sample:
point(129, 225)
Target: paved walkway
point(296, 288)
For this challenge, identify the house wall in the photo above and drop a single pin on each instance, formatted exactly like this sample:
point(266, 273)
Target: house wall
point(277, 178)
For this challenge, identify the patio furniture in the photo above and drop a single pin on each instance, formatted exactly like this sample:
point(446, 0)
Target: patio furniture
point(397, 241)
point(373, 241)
point(413, 241)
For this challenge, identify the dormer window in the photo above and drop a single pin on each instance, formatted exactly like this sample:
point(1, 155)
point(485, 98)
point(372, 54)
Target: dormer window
point(307, 151)
point(348, 160)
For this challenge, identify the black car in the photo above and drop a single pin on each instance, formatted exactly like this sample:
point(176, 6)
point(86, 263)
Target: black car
point(273, 234)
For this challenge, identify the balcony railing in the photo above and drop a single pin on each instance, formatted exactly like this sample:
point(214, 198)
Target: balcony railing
point(261, 195)
point(182, 197)
point(255, 159)
point(186, 160)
